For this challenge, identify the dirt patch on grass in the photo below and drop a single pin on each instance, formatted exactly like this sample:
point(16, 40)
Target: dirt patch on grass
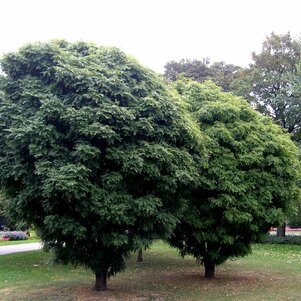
point(195, 278)
point(80, 293)
point(88, 294)
point(180, 285)
point(228, 285)
point(168, 285)
point(5, 291)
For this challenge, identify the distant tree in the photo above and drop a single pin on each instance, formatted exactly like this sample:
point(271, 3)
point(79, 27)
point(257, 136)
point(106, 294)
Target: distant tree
point(224, 75)
point(95, 152)
point(194, 69)
point(273, 82)
point(220, 73)
point(272, 85)
point(247, 185)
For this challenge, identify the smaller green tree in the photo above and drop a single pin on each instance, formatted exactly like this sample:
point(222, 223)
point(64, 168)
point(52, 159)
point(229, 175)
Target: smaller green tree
point(272, 85)
point(248, 184)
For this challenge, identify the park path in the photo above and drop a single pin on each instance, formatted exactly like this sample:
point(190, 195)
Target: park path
point(20, 248)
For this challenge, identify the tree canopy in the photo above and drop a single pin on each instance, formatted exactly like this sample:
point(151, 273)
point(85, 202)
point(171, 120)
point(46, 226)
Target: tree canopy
point(248, 184)
point(96, 152)
point(272, 83)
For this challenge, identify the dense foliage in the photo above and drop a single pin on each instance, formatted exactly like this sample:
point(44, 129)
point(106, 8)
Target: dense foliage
point(95, 152)
point(248, 184)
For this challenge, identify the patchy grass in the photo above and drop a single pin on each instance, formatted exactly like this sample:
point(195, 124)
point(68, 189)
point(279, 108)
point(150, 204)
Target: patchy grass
point(272, 272)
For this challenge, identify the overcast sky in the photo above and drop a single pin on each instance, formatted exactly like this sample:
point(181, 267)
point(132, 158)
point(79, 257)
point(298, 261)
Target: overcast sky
point(153, 31)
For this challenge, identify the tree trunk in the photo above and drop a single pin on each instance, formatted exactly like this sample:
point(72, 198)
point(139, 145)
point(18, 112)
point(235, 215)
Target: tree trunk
point(209, 269)
point(281, 231)
point(140, 256)
point(101, 280)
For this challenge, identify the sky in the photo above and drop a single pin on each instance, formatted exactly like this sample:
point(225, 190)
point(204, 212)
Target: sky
point(153, 31)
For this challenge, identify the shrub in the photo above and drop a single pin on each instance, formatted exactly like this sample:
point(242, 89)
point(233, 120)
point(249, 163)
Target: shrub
point(13, 235)
point(287, 240)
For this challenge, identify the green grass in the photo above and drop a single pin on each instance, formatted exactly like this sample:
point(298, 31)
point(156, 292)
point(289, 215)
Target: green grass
point(272, 272)
point(17, 242)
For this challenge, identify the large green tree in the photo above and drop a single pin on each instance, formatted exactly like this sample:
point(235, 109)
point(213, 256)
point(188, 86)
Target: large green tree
point(248, 184)
point(96, 152)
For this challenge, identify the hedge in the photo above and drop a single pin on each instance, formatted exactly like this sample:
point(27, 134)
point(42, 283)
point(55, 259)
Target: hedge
point(286, 240)
point(13, 235)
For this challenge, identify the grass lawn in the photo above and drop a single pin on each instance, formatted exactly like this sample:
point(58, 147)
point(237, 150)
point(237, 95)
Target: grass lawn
point(272, 272)
point(17, 242)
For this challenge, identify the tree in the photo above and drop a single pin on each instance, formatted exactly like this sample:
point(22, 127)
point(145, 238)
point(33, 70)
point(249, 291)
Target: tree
point(248, 184)
point(220, 73)
point(95, 152)
point(224, 75)
point(272, 85)
point(273, 82)
point(195, 69)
